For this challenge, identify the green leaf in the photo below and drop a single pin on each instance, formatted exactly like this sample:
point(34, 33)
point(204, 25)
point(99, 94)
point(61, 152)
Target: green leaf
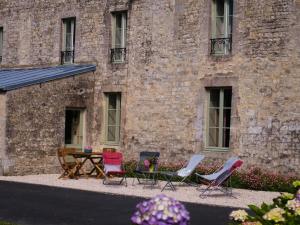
point(256, 210)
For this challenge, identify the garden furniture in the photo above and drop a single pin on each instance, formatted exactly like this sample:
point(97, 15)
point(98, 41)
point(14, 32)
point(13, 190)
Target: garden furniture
point(113, 167)
point(68, 162)
point(184, 173)
point(95, 158)
point(146, 168)
point(221, 178)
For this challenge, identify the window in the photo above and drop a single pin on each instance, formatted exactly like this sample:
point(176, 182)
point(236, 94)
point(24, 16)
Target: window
point(119, 28)
point(74, 128)
point(221, 41)
point(219, 115)
point(68, 41)
point(1, 43)
point(112, 117)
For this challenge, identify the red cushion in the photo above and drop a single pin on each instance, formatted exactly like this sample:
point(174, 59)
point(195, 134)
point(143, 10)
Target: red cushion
point(113, 158)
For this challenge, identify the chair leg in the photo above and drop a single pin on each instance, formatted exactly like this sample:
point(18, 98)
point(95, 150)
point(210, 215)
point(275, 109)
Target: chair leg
point(169, 183)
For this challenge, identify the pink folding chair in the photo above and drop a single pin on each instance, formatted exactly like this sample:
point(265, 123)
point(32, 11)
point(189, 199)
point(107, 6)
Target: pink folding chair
point(113, 167)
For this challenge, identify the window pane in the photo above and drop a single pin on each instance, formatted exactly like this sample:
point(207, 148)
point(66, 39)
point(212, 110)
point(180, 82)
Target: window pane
point(111, 133)
point(214, 98)
point(226, 138)
point(112, 116)
point(220, 27)
point(213, 137)
point(214, 117)
point(227, 97)
point(112, 101)
point(226, 118)
point(220, 7)
point(1, 41)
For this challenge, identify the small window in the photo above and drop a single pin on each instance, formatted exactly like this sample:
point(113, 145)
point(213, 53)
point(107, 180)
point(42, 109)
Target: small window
point(219, 117)
point(74, 123)
point(222, 14)
point(119, 29)
point(68, 41)
point(1, 43)
point(112, 117)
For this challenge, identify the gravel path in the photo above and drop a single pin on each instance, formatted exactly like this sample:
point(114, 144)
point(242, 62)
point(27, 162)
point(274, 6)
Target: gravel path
point(241, 198)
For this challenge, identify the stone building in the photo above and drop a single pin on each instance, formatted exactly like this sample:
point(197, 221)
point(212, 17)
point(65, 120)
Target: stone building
point(221, 77)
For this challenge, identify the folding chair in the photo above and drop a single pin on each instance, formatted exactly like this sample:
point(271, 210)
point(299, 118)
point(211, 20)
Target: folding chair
point(220, 177)
point(68, 162)
point(113, 167)
point(184, 173)
point(142, 171)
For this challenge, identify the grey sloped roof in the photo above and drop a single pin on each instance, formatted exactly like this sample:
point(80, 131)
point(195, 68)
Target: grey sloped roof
point(11, 79)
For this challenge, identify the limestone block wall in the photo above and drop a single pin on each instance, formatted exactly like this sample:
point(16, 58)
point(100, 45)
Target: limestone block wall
point(168, 68)
point(3, 147)
point(36, 121)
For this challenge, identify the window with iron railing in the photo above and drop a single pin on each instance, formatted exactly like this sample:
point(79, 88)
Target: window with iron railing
point(1, 43)
point(222, 15)
point(68, 41)
point(119, 29)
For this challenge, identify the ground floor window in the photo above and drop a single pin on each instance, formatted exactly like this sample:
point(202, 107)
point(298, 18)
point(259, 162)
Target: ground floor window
point(219, 118)
point(112, 117)
point(74, 128)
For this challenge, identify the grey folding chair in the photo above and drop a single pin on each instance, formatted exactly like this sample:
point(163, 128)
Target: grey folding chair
point(184, 173)
point(218, 178)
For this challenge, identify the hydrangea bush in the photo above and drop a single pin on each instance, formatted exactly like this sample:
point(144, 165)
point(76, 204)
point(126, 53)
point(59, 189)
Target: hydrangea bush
point(284, 210)
point(253, 178)
point(161, 210)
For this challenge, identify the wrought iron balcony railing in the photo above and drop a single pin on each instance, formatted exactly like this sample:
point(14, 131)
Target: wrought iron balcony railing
point(118, 55)
point(221, 46)
point(67, 56)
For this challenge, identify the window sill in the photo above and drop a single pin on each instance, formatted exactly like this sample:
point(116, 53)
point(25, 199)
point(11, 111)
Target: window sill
point(216, 149)
point(220, 58)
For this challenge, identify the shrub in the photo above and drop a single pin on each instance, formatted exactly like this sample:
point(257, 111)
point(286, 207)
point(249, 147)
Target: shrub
point(284, 210)
point(253, 178)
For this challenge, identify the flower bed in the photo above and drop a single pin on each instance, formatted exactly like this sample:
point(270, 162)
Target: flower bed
point(253, 178)
point(285, 210)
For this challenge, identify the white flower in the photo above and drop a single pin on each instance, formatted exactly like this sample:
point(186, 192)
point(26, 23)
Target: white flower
point(239, 215)
point(275, 215)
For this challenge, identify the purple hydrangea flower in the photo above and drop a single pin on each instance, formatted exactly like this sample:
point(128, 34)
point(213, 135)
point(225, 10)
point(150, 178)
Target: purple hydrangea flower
point(161, 210)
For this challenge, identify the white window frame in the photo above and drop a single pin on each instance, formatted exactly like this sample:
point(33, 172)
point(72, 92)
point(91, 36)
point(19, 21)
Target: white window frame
point(220, 120)
point(66, 22)
point(118, 118)
point(227, 24)
point(123, 39)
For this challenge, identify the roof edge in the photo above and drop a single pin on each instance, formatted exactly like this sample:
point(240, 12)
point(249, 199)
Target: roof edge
point(75, 72)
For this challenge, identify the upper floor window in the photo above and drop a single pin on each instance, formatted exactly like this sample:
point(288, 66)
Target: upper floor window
point(68, 40)
point(112, 117)
point(1, 43)
point(221, 40)
point(119, 28)
point(219, 118)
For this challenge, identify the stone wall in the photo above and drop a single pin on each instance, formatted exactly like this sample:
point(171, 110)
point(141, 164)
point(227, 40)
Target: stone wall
point(3, 149)
point(168, 68)
point(36, 121)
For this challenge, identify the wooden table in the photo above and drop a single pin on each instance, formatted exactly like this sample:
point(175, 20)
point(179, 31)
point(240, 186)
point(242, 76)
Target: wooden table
point(95, 158)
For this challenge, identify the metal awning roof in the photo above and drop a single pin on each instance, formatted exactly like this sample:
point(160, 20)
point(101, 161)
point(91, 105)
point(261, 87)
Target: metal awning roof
point(11, 79)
